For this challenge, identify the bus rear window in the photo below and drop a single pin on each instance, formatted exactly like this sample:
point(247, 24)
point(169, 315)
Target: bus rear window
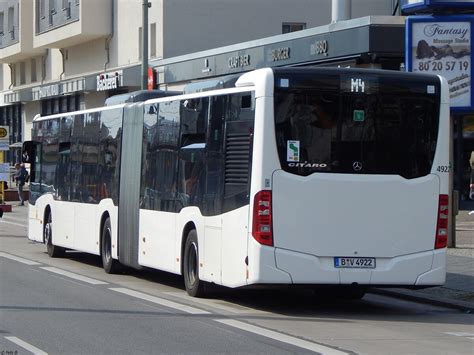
point(385, 130)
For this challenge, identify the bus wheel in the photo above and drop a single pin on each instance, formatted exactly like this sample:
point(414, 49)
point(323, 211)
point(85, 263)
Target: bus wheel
point(194, 286)
point(110, 265)
point(53, 250)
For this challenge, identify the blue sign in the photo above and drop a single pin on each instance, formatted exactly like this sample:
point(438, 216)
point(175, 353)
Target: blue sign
point(418, 6)
point(443, 45)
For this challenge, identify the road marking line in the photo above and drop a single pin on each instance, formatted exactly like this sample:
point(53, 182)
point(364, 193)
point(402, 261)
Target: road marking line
point(461, 334)
point(215, 304)
point(17, 258)
point(13, 223)
point(26, 346)
point(74, 276)
point(160, 301)
point(281, 337)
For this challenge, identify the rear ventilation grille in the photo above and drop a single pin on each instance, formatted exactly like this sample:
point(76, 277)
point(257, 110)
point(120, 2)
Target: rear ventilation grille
point(237, 158)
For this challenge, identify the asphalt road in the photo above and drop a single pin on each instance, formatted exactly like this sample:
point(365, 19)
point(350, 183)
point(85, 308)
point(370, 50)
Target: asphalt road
point(70, 306)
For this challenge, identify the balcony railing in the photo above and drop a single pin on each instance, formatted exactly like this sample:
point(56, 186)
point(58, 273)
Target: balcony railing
point(67, 11)
point(57, 17)
point(51, 16)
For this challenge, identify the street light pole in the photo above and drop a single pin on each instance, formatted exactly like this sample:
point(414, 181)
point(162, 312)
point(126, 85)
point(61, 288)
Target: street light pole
point(146, 5)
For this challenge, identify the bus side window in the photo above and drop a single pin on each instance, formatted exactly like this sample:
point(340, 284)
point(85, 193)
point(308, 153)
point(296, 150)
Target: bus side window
point(62, 171)
point(214, 158)
point(194, 116)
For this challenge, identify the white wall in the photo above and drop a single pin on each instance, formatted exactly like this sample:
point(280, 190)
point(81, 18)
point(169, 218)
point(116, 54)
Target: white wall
point(30, 109)
point(3, 68)
point(127, 20)
point(191, 26)
point(54, 65)
point(216, 23)
point(86, 58)
point(361, 8)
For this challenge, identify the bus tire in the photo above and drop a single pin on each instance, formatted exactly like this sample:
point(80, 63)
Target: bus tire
point(110, 265)
point(194, 286)
point(52, 250)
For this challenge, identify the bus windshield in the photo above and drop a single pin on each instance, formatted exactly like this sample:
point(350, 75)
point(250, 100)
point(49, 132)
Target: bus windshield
point(356, 123)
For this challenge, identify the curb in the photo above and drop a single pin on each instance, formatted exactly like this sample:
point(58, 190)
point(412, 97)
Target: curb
point(411, 295)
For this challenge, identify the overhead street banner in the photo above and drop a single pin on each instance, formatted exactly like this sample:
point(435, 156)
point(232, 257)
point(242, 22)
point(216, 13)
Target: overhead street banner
point(443, 46)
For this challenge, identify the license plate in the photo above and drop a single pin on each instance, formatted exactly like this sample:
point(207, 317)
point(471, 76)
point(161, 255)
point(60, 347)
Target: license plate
point(354, 263)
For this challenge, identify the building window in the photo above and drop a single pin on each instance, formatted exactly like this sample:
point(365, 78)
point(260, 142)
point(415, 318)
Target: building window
point(52, 10)
point(11, 116)
point(22, 73)
point(42, 8)
point(11, 25)
point(140, 45)
point(288, 27)
point(153, 40)
point(61, 104)
point(52, 6)
point(2, 23)
point(66, 6)
point(33, 70)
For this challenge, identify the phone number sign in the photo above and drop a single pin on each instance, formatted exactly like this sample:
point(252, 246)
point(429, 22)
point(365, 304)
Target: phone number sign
point(443, 46)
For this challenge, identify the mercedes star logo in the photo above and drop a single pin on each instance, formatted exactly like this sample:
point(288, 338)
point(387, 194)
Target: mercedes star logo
point(357, 166)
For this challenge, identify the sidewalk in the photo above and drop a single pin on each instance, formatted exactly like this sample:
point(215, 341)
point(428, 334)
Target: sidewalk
point(458, 291)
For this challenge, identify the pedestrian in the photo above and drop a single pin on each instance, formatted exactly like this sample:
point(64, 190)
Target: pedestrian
point(21, 176)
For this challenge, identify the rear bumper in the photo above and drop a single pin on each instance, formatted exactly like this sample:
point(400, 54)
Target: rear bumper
point(419, 269)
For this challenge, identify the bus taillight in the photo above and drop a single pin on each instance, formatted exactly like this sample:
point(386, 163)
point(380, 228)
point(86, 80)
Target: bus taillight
point(442, 226)
point(262, 218)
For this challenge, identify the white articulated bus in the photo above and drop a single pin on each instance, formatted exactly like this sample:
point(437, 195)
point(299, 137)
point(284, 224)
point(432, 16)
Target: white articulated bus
point(284, 176)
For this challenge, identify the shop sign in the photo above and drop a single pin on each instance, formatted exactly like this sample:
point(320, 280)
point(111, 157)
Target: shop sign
point(151, 80)
point(443, 46)
point(109, 81)
point(238, 61)
point(206, 68)
point(49, 90)
point(320, 47)
point(4, 138)
point(278, 54)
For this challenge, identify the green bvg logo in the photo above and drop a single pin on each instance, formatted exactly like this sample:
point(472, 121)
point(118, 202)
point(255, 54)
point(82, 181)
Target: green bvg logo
point(293, 151)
